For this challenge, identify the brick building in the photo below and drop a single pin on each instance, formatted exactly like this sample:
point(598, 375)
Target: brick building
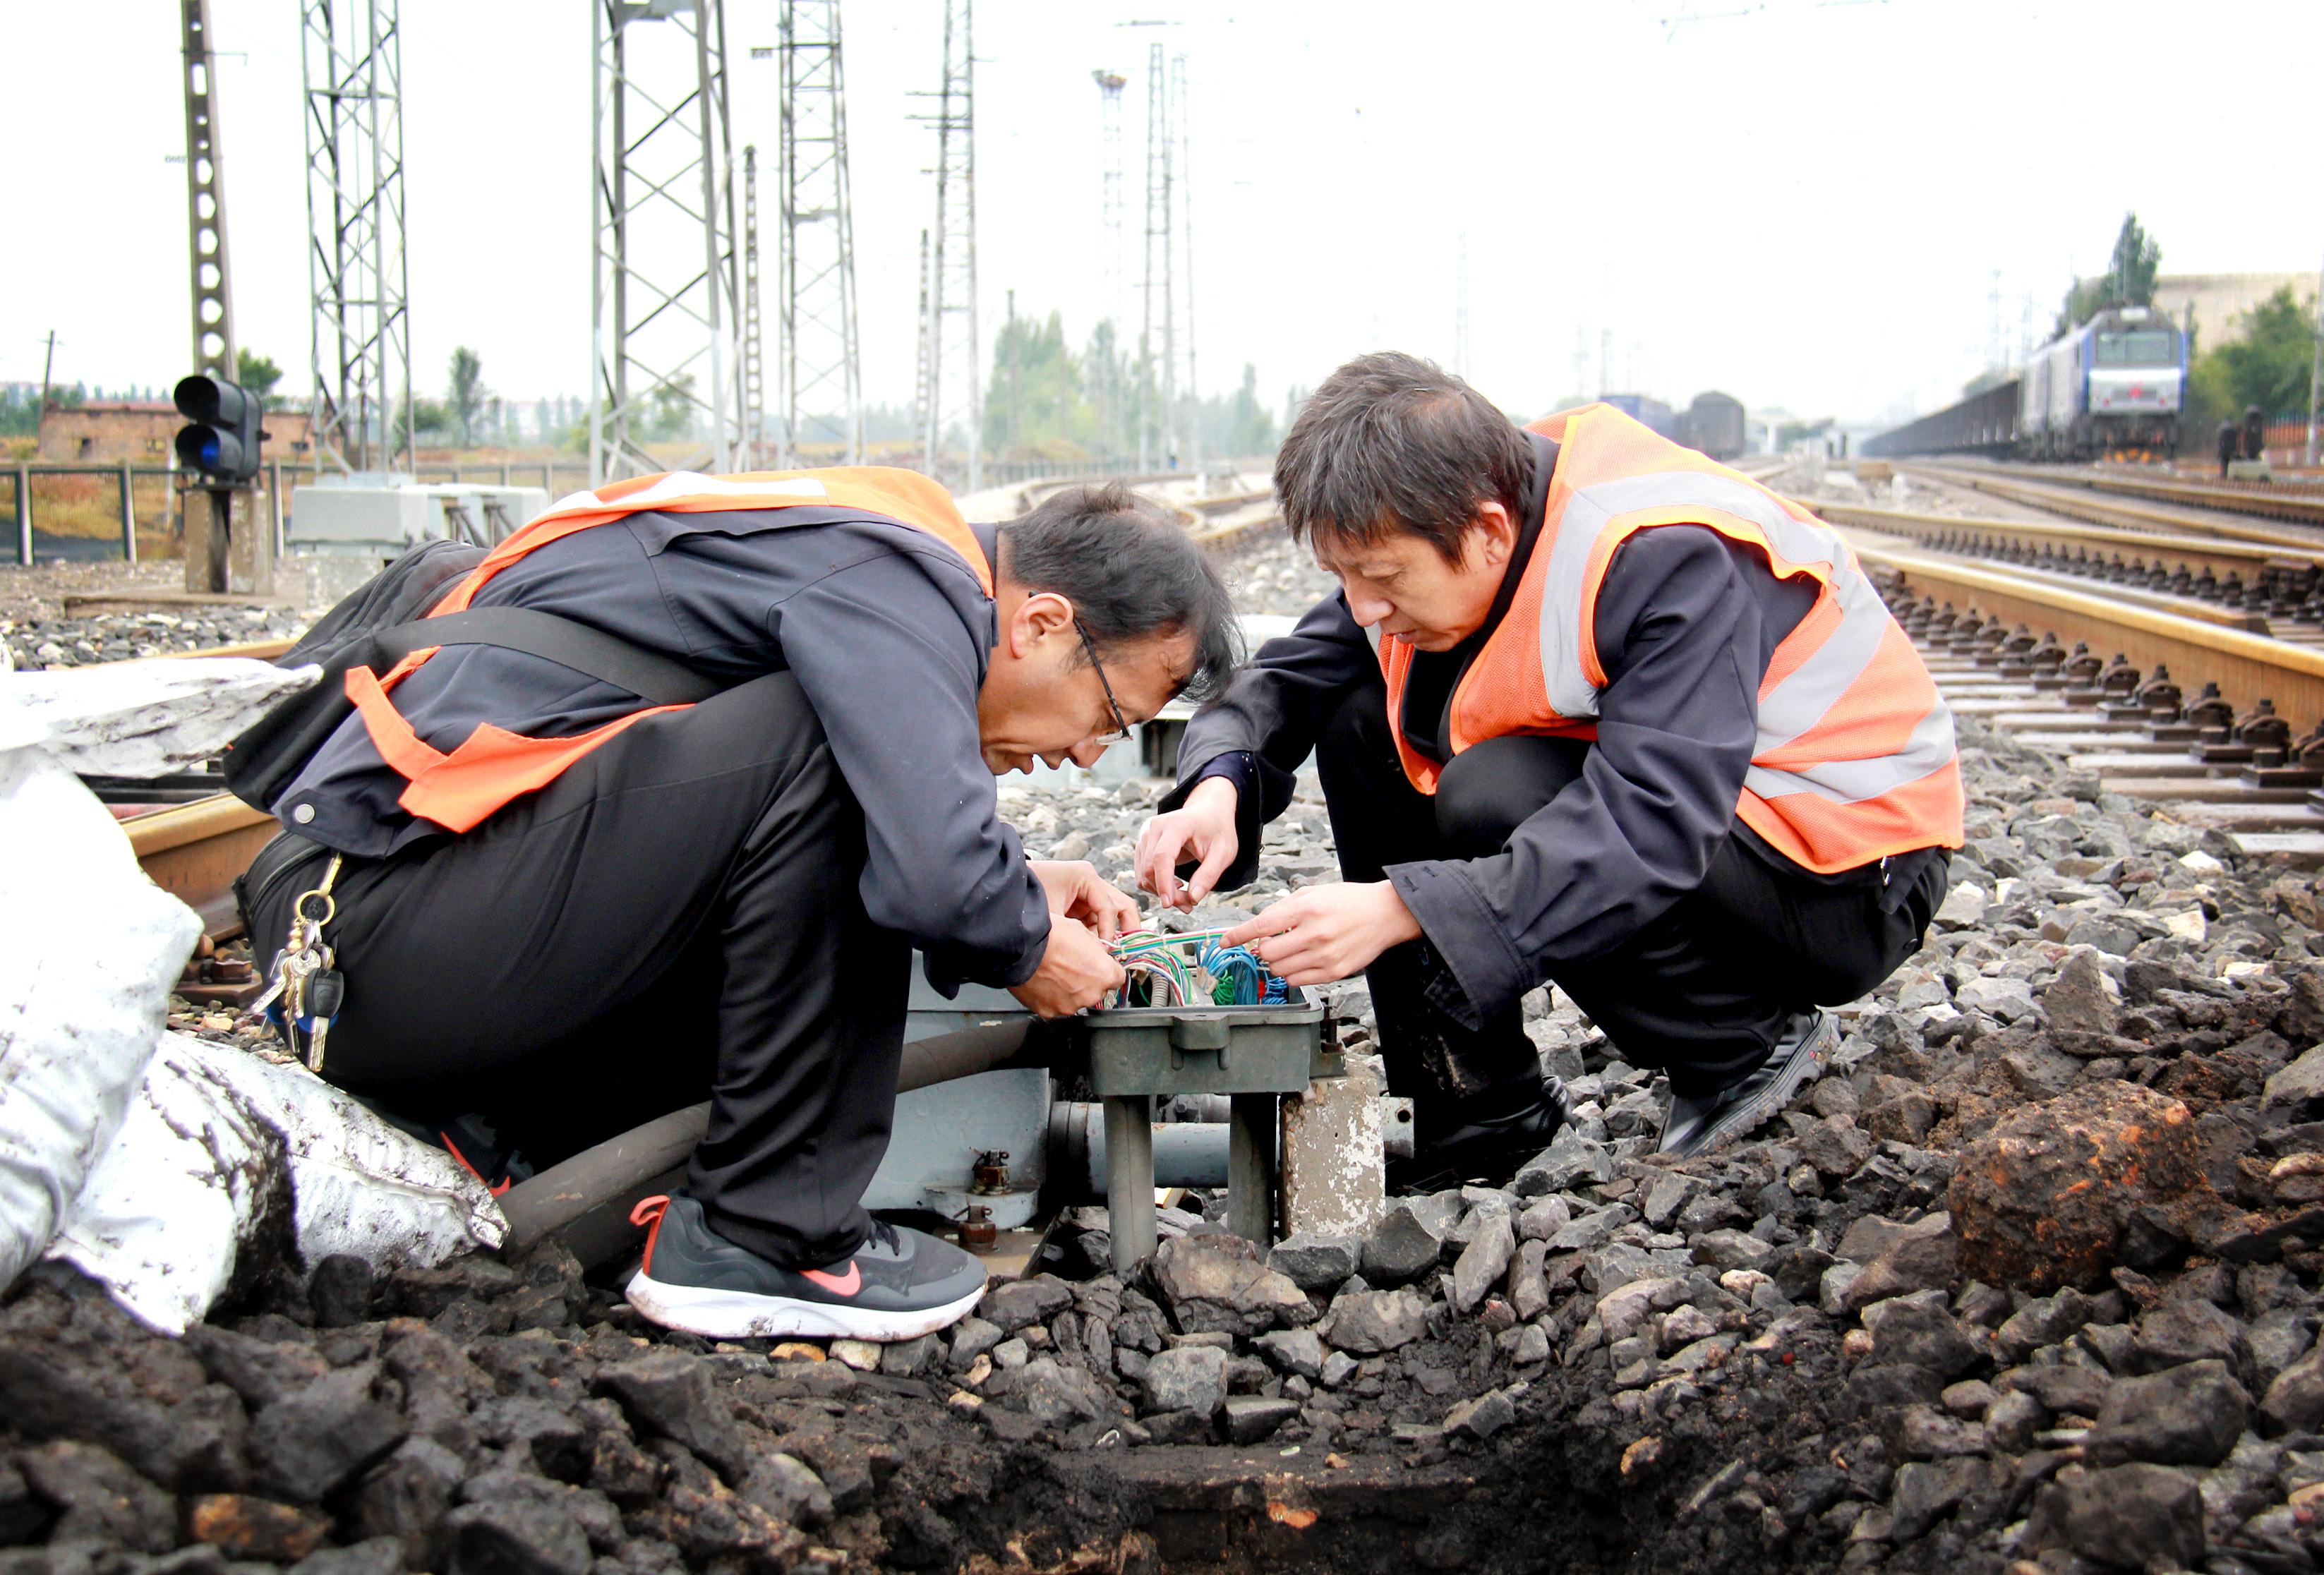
point(141, 431)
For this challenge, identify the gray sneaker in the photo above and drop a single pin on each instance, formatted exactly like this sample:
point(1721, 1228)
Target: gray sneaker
point(1699, 1125)
point(900, 1284)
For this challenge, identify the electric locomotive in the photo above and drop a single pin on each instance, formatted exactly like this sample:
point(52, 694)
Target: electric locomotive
point(2113, 385)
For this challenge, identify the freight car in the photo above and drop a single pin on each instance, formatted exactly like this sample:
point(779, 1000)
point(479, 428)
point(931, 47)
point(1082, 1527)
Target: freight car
point(1714, 425)
point(1984, 423)
point(1651, 413)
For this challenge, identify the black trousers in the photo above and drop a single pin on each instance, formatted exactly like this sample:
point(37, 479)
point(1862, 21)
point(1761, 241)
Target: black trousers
point(1702, 992)
point(674, 918)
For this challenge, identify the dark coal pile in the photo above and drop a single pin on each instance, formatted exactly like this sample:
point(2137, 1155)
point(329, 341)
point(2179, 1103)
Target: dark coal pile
point(2028, 1282)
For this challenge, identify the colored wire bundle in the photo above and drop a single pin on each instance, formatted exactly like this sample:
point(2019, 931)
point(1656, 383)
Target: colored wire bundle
point(1238, 977)
point(1180, 969)
point(1157, 966)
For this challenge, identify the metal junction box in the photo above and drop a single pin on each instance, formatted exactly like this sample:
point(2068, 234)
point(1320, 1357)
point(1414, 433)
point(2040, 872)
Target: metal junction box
point(1210, 1049)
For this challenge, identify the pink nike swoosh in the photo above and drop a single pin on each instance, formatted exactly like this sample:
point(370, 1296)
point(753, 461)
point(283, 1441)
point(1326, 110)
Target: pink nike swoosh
point(845, 1285)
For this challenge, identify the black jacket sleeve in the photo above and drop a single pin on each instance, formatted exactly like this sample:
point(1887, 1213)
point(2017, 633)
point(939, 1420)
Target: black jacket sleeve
point(1273, 711)
point(881, 654)
point(1679, 636)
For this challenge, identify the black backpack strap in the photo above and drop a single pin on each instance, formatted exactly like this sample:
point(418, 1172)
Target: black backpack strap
point(586, 650)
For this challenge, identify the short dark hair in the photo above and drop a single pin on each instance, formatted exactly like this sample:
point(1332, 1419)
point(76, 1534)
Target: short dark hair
point(1131, 572)
point(1390, 442)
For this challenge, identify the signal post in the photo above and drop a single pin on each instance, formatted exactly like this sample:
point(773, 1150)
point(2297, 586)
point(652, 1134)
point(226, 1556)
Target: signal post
point(229, 527)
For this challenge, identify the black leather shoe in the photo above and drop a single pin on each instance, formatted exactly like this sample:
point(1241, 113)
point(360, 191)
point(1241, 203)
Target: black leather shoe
point(1695, 1125)
point(1490, 1148)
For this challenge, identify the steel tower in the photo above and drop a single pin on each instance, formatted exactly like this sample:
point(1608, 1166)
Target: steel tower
point(823, 376)
point(954, 376)
point(754, 361)
point(665, 291)
point(1182, 184)
point(1158, 386)
point(351, 57)
point(1110, 85)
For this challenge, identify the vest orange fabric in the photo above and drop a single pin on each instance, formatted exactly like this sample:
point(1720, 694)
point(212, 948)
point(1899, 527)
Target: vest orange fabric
point(491, 766)
point(1855, 758)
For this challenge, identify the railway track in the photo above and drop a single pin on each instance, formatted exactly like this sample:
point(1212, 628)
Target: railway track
point(2080, 503)
point(2302, 503)
point(2260, 589)
point(2165, 707)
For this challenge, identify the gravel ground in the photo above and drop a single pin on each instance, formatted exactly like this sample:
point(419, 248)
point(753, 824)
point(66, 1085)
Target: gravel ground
point(35, 633)
point(2029, 1281)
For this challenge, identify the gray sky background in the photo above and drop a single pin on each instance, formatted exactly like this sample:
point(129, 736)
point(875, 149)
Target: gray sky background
point(1800, 203)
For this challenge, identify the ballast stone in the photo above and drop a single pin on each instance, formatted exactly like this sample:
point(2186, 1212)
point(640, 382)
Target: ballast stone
point(1216, 1284)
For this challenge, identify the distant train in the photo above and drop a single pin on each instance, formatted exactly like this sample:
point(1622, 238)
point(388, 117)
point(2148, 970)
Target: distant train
point(1712, 424)
point(2114, 385)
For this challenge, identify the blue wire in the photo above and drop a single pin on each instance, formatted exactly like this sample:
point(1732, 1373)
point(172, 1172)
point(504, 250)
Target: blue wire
point(1241, 970)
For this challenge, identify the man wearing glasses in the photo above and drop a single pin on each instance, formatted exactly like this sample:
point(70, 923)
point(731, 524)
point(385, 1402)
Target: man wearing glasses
point(567, 911)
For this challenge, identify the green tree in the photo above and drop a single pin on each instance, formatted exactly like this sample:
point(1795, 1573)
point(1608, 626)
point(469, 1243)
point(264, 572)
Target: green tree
point(429, 423)
point(1250, 428)
point(1035, 378)
point(2267, 363)
point(2128, 281)
point(258, 375)
point(672, 405)
point(468, 396)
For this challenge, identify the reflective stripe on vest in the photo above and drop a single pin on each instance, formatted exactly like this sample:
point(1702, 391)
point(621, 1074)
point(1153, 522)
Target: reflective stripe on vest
point(492, 765)
point(1855, 758)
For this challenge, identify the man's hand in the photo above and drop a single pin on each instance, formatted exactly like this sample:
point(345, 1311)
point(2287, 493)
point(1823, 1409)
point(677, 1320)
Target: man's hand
point(1327, 931)
point(1076, 972)
point(1078, 892)
point(1204, 826)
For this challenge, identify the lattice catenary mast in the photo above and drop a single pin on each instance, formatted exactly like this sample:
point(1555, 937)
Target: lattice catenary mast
point(664, 290)
point(754, 359)
point(954, 384)
point(822, 365)
point(1110, 85)
point(1157, 393)
point(351, 59)
point(1182, 183)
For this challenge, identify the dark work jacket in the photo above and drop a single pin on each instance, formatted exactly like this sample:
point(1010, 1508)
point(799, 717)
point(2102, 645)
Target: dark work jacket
point(888, 633)
point(1686, 622)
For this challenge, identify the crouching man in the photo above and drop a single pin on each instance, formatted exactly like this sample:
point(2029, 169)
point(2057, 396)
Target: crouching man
point(570, 911)
point(1590, 708)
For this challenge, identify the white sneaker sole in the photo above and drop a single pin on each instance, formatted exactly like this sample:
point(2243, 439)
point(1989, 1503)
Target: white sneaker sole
point(742, 1315)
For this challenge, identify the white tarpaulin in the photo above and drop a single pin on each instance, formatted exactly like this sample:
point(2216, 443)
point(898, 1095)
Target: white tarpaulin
point(219, 1147)
point(89, 949)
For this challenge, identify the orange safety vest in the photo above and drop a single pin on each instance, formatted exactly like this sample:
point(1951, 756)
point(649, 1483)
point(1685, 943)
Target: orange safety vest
point(1855, 758)
point(493, 764)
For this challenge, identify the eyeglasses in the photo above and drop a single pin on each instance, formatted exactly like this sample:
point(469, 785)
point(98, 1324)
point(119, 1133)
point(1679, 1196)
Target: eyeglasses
point(1120, 722)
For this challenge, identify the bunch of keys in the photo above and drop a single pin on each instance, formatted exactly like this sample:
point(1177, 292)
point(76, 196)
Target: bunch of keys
point(307, 990)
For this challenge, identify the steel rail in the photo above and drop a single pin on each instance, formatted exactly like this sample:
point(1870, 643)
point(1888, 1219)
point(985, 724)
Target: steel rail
point(2076, 503)
point(2247, 668)
point(2305, 507)
point(2218, 554)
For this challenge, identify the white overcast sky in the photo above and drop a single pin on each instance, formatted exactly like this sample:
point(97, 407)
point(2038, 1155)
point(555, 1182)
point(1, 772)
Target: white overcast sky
point(1800, 203)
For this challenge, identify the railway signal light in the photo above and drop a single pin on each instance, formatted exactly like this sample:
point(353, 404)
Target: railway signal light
point(221, 437)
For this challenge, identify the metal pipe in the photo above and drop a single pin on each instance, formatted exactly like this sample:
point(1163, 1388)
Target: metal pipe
point(1186, 1154)
point(586, 1199)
